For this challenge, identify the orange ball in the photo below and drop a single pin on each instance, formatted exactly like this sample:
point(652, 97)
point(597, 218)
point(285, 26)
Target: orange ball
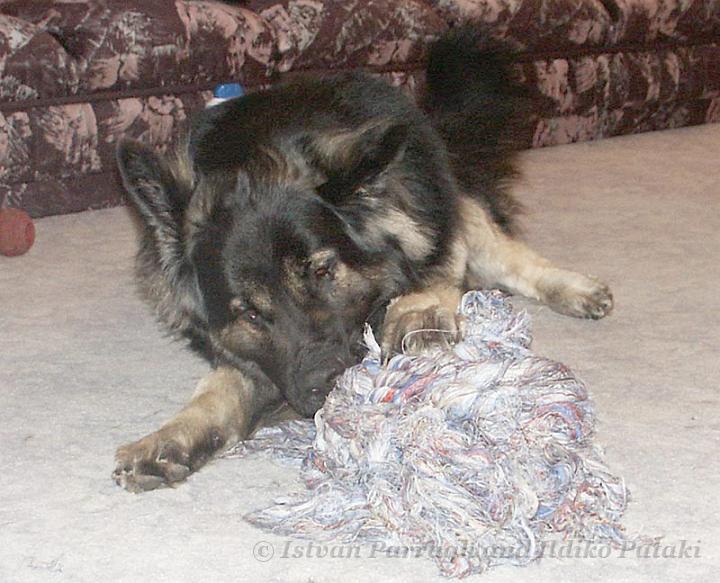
point(17, 232)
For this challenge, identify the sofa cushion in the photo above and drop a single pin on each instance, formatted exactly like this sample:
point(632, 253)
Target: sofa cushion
point(32, 63)
point(535, 25)
point(552, 26)
point(321, 34)
point(647, 22)
point(613, 93)
point(136, 44)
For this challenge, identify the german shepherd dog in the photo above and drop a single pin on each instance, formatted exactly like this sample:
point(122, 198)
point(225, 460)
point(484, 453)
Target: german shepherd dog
point(292, 216)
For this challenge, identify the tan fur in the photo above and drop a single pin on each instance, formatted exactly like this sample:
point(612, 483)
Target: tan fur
point(181, 165)
point(238, 335)
point(335, 148)
point(158, 257)
point(413, 242)
point(170, 304)
point(221, 412)
point(483, 256)
point(257, 296)
point(416, 320)
point(378, 176)
point(495, 259)
point(349, 283)
point(198, 210)
point(287, 167)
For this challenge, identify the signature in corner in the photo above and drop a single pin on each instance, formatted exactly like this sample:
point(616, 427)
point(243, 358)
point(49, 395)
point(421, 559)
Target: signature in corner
point(54, 565)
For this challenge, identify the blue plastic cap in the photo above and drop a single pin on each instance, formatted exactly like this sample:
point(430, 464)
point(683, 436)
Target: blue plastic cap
point(228, 91)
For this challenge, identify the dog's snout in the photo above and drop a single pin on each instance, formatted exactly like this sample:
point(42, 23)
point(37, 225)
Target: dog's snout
point(317, 368)
point(319, 383)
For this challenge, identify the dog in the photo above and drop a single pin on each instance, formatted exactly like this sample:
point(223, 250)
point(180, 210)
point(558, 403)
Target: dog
point(292, 216)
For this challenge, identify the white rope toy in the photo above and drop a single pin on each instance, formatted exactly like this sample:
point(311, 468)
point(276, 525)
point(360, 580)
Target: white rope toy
point(479, 452)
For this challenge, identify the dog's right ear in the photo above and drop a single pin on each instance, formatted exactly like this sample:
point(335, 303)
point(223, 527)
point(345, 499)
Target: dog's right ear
point(160, 192)
point(160, 197)
point(153, 189)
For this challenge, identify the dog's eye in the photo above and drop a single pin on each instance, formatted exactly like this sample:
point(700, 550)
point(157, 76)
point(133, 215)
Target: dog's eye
point(250, 315)
point(245, 312)
point(322, 272)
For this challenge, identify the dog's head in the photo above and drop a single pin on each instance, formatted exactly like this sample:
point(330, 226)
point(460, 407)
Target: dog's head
point(278, 261)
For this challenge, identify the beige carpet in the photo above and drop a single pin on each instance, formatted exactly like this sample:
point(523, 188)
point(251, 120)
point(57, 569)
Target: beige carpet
point(83, 369)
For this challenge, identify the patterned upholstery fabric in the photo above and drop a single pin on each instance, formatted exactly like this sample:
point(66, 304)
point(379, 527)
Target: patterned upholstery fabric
point(76, 75)
point(34, 64)
point(554, 24)
point(671, 21)
point(611, 93)
point(319, 35)
point(139, 44)
point(535, 25)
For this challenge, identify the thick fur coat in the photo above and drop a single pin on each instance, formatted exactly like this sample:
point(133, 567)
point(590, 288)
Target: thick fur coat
point(292, 216)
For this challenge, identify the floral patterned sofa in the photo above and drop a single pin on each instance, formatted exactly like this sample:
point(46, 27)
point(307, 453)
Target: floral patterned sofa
point(75, 75)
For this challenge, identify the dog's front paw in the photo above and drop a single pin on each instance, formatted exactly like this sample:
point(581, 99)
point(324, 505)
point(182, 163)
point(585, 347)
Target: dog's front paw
point(164, 458)
point(415, 331)
point(578, 295)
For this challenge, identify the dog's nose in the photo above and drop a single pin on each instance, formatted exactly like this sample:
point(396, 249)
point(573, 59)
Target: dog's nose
point(321, 382)
point(317, 365)
point(312, 383)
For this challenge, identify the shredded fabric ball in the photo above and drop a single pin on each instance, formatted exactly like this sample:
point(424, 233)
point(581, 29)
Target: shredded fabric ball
point(480, 451)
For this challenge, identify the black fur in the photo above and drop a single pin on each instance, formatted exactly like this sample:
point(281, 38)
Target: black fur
point(275, 246)
point(483, 115)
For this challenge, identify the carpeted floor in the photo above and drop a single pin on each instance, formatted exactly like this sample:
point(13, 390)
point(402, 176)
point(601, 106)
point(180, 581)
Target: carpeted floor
point(83, 369)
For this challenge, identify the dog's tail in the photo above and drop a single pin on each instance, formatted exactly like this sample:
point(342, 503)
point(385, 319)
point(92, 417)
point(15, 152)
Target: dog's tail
point(482, 114)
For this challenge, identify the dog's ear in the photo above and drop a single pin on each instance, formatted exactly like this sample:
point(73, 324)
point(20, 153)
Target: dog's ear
point(352, 159)
point(160, 192)
point(156, 193)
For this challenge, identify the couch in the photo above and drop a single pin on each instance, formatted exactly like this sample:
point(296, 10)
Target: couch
point(77, 75)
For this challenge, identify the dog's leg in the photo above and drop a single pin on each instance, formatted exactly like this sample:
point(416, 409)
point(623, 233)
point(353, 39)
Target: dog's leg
point(493, 258)
point(416, 321)
point(222, 411)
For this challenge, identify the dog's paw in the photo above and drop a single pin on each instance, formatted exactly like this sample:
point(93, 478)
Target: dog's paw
point(578, 295)
point(161, 459)
point(416, 331)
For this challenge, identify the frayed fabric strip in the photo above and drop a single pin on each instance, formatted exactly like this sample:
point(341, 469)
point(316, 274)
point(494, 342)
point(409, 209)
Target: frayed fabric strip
point(464, 450)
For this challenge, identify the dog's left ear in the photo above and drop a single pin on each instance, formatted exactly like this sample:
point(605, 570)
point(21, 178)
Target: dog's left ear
point(352, 159)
